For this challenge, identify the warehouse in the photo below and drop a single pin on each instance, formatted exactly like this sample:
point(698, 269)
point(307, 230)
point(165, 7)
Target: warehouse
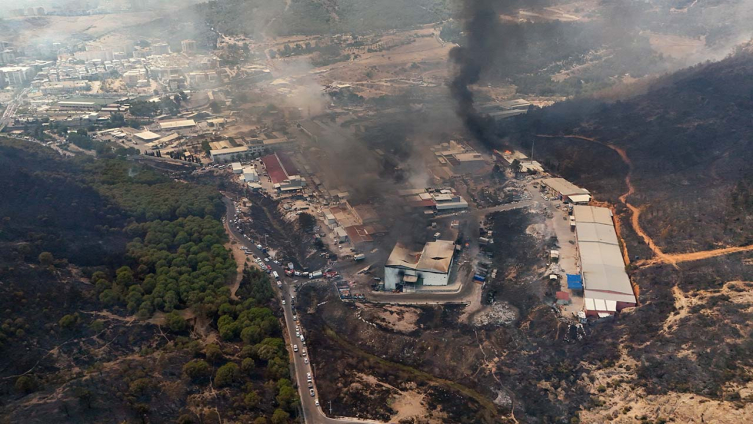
point(226, 155)
point(176, 124)
point(430, 267)
point(567, 191)
point(607, 288)
point(147, 136)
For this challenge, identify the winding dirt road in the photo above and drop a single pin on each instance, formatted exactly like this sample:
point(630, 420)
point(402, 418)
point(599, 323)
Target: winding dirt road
point(660, 256)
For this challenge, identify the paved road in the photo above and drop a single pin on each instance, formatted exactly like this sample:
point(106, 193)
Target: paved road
point(10, 111)
point(311, 413)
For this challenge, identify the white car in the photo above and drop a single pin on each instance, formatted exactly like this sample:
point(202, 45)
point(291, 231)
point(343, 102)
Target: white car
point(308, 376)
point(295, 348)
point(283, 302)
point(306, 361)
point(316, 402)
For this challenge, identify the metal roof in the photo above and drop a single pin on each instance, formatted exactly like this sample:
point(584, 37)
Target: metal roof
point(593, 214)
point(401, 256)
point(598, 233)
point(603, 268)
point(437, 256)
point(564, 186)
point(182, 123)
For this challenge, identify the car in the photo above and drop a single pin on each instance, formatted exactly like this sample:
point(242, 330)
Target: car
point(297, 334)
point(303, 352)
point(311, 392)
point(295, 348)
point(310, 384)
point(266, 259)
point(283, 302)
point(308, 376)
point(306, 361)
point(316, 402)
point(297, 328)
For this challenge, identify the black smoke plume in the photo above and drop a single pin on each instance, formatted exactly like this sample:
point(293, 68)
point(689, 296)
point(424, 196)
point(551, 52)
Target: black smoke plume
point(488, 44)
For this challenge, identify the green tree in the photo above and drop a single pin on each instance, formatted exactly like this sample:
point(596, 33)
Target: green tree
point(280, 417)
point(214, 353)
point(251, 399)
point(97, 326)
point(197, 370)
point(25, 384)
point(248, 365)
point(227, 375)
point(67, 322)
point(176, 323)
point(46, 259)
point(215, 107)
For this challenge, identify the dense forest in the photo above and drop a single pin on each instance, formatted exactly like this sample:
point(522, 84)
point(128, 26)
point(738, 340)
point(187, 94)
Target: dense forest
point(118, 277)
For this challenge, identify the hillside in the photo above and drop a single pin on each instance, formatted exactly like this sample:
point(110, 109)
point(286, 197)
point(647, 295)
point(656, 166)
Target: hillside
point(688, 141)
point(116, 306)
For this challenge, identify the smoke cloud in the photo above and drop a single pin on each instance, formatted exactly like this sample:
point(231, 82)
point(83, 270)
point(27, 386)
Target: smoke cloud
point(487, 42)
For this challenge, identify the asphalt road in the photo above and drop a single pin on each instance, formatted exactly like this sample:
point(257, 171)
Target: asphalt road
point(311, 413)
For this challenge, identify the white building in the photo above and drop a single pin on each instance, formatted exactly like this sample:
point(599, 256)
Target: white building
point(188, 46)
point(237, 167)
point(250, 175)
point(430, 267)
point(234, 153)
point(560, 187)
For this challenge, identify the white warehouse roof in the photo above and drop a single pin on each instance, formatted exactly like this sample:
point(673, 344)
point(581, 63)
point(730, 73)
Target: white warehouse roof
point(563, 186)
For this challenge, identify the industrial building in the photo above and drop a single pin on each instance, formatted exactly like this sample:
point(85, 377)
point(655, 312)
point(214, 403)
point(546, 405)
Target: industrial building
point(250, 175)
point(283, 173)
point(434, 200)
point(516, 158)
point(567, 191)
point(430, 267)
point(607, 288)
point(460, 158)
point(236, 167)
point(226, 155)
point(176, 124)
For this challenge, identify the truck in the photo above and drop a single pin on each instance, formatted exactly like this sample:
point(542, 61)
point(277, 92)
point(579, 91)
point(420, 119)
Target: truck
point(359, 257)
point(315, 274)
point(276, 275)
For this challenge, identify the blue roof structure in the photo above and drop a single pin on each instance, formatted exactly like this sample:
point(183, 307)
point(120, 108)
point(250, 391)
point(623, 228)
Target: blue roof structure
point(574, 281)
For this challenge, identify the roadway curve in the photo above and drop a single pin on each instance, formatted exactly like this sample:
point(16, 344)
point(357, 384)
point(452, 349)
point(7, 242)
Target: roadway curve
point(311, 413)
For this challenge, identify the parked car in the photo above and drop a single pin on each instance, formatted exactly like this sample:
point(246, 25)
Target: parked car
point(311, 392)
point(295, 348)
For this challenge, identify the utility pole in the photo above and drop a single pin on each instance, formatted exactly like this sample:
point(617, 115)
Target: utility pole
point(533, 143)
point(330, 408)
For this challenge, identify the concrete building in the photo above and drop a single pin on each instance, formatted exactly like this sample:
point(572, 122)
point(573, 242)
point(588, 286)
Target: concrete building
point(230, 154)
point(433, 200)
point(430, 267)
point(237, 167)
point(250, 175)
point(160, 48)
point(147, 136)
point(460, 157)
point(177, 124)
point(567, 191)
point(607, 287)
point(16, 76)
point(188, 46)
